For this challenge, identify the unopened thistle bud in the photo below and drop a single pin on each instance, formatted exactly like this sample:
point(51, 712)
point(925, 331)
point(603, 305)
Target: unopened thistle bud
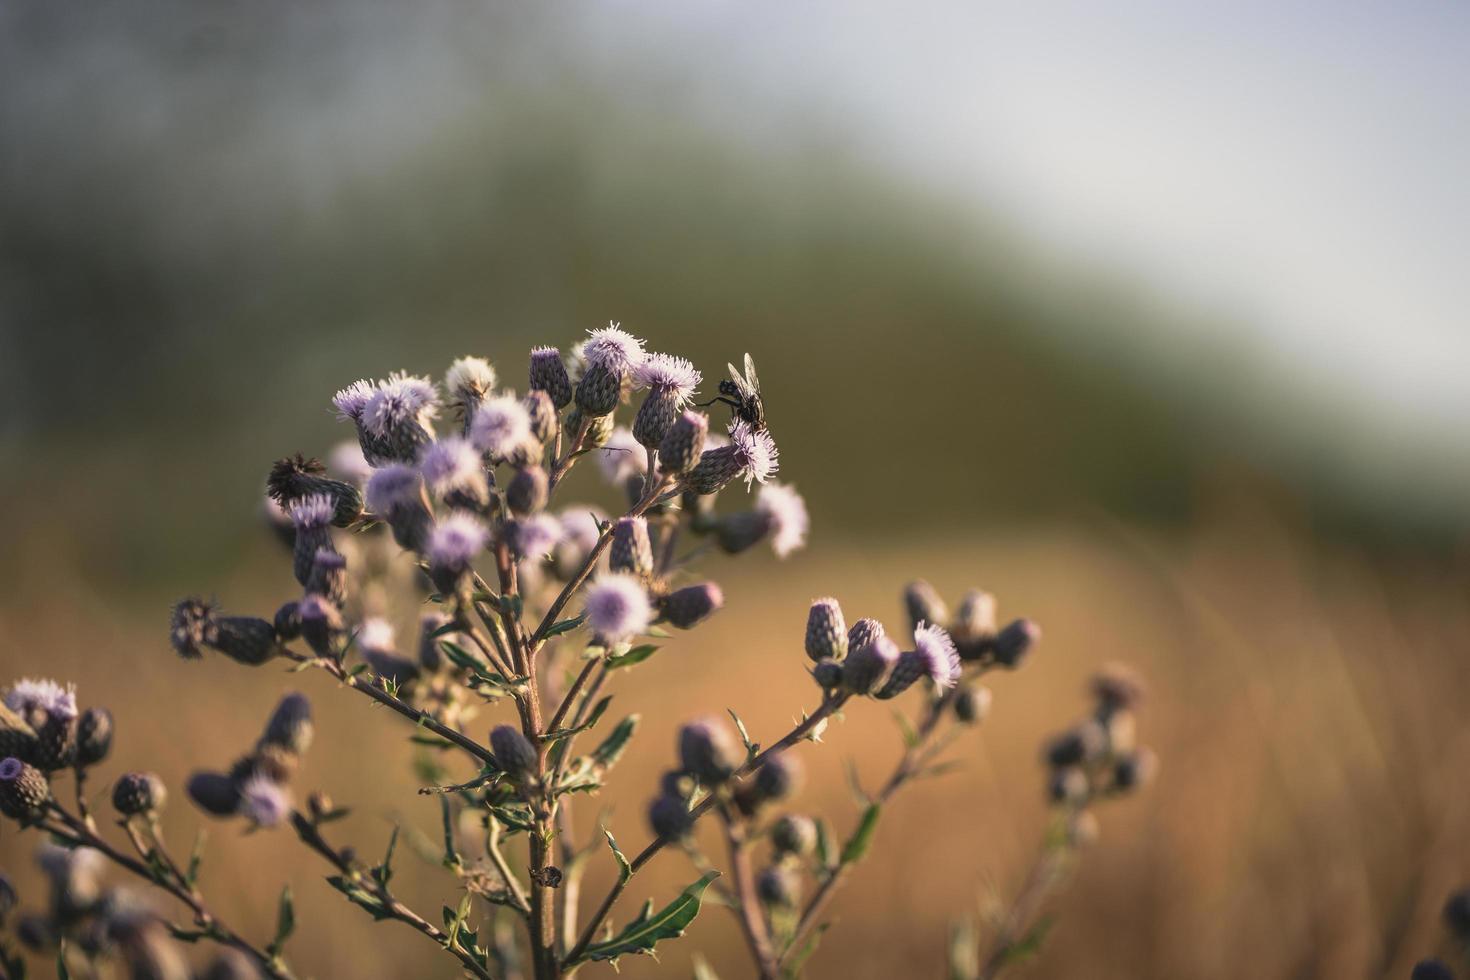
point(396, 494)
point(431, 654)
point(828, 674)
point(631, 551)
point(312, 517)
point(669, 819)
point(973, 627)
point(321, 624)
point(290, 726)
point(688, 607)
point(1068, 785)
point(294, 478)
point(542, 413)
point(1079, 744)
point(468, 381)
point(777, 886)
point(742, 531)
point(778, 777)
point(56, 740)
point(527, 491)
point(94, 736)
point(826, 630)
point(23, 789)
point(923, 604)
point(549, 374)
point(17, 738)
point(1456, 914)
point(514, 753)
point(670, 382)
point(399, 416)
point(1432, 970)
point(680, 449)
point(869, 663)
point(245, 639)
point(328, 575)
point(794, 834)
point(972, 704)
point(1116, 688)
point(138, 792)
point(453, 546)
point(1015, 641)
point(863, 632)
point(454, 471)
point(287, 623)
point(214, 792)
point(598, 391)
point(708, 752)
point(1135, 769)
point(617, 608)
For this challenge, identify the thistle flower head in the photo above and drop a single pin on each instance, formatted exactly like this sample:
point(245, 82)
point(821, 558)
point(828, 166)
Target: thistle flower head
point(614, 349)
point(786, 517)
point(621, 456)
point(451, 463)
point(755, 451)
point(469, 378)
point(938, 655)
point(313, 512)
point(708, 751)
point(456, 541)
point(691, 605)
point(191, 627)
point(923, 604)
point(549, 374)
point(398, 401)
point(392, 487)
point(501, 426)
point(351, 402)
point(375, 633)
point(668, 374)
point(1015, 641)
point(579, 526)
point(514, 753)
point(868, 664)
point(264, 802)
point(535, 536)
point(617, 607)
point(347, 461)
point(826, 630)
point(33, 694)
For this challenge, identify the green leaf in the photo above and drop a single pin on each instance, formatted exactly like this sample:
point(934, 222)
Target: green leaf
point(285, 923)
point(857, 844)
point(359, 896)
point(634, 656)
point(826, 846)
point(62, 973)
point(461, 657)
point(625, 870)
point(451, 856)
point(565, 626)
point(752, 749)
point(906, 727)
point(607, 754)
point(597, 712)
point(196, 857)
point(454, 920)
point(384, 871)
point(649, 929)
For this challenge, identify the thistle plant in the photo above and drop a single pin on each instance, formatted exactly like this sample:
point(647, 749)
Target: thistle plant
point(524, 614)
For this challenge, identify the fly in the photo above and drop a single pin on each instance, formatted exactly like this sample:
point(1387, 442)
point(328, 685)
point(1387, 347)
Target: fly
point(742, 392)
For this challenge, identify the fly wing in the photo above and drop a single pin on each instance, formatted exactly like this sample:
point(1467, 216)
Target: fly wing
point(751, 380)
point(741, 385)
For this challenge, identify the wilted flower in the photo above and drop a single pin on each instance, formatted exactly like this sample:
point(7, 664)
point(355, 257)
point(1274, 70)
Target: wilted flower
point(468, 381)
point(786, 517)
point(245, 639)
point(31, 695)
point(617, 607)
point(293, 478)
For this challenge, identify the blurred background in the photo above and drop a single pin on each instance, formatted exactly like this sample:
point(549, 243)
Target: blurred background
point(1147, 317)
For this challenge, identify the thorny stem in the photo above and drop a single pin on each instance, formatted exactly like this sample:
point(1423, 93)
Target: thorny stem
point(752, 921)
point(512, 883)
point(312, 838)
point(565, 462)
point(571, 695)
point(75, 831)
point(801, 731)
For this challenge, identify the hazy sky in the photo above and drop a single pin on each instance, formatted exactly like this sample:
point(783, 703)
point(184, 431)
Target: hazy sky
point(1300, 166)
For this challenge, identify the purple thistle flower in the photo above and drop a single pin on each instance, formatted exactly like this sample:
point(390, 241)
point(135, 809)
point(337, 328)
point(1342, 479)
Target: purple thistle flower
point(453, 464)
point(868, 665)
point(535, 536)
point(617, 607)
point(399, 401)
point(392, 487)
point(348, 462)
point(469, 378)
point(500, 427)
point(621, 456)
point(786, 517)
point(755, 450)
point(613, 349)
point(31, 694)
point(456, 541)
point(313, 512)
point(937, 653)
point(351, 402)
point(668, 374)
point(375, 633)
point(579, 526)
point(264, 802)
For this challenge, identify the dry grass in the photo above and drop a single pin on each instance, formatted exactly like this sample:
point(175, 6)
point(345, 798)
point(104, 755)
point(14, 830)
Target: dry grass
point(1308, 709)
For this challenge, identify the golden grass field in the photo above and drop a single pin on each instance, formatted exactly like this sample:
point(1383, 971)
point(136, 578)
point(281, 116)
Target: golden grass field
point(1307, 704)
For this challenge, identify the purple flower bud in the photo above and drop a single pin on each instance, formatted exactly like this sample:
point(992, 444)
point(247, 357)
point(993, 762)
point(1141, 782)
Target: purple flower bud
point(681, 447)
point(1068, 785)
point(455, 473)
point(742, 531)
point(214, 793)
point(972, 704)
point(94, 736)
point(290, 727)
point(23, 789)
point(794, 834)
point(778, 777)
point(826, 630)
point(1432, 970)
point(617, 608)
point(431, 655)
point(1135, 769)
point(549, 374)
point(542, 413)
point(599, 391)
point(631, 551)
point(863, 632)
point(1456, 914)
point(396, 493)
point(1015, 641)
point(668, 817)
point(828, 674)
point(321, 624)
point(288, 621)
point(501, 427)
point(264, 802)
point(708, 752)
point(245, 639)
point(973, 627)
point(528, 491)
point(514, 753)
point(868, 664)
point(533, 538)
point(454, 544)
point(138, 792)
point(1116, 688)
point(777, 886)
point(688, 607)
point(613, 348)
point(1082, 743)
point(328, 575)
point(923, 604)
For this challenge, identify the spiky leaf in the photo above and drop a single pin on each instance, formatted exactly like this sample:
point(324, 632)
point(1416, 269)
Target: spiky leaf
point(649, 929)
